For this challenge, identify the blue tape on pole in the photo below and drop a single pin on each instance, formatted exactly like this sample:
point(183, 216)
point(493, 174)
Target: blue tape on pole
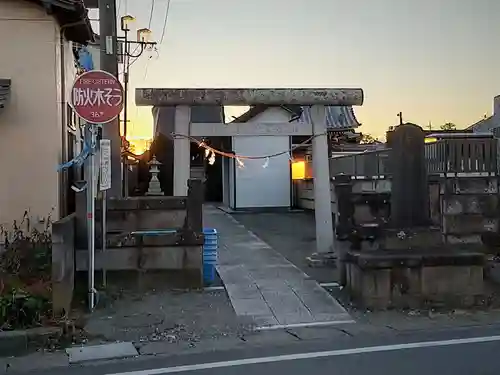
point(78, 160)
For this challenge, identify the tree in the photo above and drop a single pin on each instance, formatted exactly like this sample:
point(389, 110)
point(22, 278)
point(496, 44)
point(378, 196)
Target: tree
point(448, 126)
point(132, 148)
point(368, 139)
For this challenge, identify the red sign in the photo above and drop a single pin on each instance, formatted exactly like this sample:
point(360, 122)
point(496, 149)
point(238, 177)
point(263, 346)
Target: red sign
point(97, 97)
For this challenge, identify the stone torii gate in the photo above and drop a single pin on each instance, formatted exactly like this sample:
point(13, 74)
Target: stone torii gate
point(183, 99)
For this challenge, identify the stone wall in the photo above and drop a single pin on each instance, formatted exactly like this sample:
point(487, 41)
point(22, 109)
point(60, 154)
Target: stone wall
point(469, 208)
point(149, 234)
point(405, 280)
point(463, 207)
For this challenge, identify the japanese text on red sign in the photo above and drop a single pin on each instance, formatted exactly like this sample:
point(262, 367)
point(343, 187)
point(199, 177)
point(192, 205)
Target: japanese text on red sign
point(93, 97)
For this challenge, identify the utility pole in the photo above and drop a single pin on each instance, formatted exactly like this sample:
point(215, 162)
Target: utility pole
point(141, 44)
point(400, 115)
point(109, 63)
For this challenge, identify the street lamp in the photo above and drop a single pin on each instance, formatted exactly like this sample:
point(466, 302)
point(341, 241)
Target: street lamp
point(125, 21)
point(143, 35)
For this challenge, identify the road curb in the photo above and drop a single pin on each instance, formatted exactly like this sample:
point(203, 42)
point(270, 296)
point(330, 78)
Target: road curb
point(19, 342)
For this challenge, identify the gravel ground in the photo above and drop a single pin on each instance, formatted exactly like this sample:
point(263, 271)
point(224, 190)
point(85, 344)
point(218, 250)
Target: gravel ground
point(172, 316)
point(292, 234)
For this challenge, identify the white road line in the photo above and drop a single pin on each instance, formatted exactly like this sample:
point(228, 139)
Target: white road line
point(304, 325)
point(293, 357)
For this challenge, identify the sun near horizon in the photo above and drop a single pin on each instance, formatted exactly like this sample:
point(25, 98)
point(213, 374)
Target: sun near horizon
point(140, 130)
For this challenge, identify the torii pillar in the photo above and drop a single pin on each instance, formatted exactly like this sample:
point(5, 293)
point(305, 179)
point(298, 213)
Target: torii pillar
point(183, 99)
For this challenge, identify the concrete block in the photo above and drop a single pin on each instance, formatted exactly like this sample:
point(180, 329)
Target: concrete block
point(63, 264)
point(452, 281)
point(468, 224)
point(473, 185)
point(100, 352)
point(13, 343)
point(37, 362)
point(19, 341)
point(147, 258)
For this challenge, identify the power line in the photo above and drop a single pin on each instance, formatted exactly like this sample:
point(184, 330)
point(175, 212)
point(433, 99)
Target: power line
point(163, 31)
point(165, 22)
point(151, 13)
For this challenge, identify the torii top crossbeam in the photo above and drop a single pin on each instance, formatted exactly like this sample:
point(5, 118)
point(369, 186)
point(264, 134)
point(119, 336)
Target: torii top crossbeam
point(246, 96)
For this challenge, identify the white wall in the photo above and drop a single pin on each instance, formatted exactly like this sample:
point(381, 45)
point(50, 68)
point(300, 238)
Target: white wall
point(257, 186)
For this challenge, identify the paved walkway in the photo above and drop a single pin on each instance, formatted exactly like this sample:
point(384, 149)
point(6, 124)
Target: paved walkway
point(263, 285)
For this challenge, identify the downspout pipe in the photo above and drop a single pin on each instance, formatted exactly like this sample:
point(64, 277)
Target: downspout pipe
point(63, 175)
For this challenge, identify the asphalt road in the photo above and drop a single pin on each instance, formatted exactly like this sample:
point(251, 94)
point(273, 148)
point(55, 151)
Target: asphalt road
point(474, 351)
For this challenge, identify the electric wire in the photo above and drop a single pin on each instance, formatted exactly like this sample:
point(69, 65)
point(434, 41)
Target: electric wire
point(163, 32)
point(151, 13)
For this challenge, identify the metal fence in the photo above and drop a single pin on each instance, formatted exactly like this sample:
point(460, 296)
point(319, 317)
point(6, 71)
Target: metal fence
point(368, 164)
point(462, 155)
point(445, 156)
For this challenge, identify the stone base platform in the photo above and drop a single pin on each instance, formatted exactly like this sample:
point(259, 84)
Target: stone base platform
point(415, 278)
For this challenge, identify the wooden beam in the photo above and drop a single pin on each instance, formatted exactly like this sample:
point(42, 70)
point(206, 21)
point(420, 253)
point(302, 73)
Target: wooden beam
point(249, 129)
point(242, 96)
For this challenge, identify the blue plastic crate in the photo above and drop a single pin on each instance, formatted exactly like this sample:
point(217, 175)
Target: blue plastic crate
point(208, 274)
point(210, 260)
point(210, 242)
point(210, 246)
point(209, 253)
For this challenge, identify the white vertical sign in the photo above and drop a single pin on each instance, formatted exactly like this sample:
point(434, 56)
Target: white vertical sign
point(105, 164)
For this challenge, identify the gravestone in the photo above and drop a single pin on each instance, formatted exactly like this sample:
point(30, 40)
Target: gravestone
point(410, 196)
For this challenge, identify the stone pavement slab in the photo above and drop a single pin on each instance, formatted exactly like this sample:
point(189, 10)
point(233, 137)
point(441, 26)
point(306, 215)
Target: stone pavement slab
point(264, 285)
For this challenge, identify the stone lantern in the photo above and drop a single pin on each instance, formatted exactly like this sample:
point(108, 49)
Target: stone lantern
point(154, 184)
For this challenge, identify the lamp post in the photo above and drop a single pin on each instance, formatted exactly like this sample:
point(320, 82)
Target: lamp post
point(141, 44)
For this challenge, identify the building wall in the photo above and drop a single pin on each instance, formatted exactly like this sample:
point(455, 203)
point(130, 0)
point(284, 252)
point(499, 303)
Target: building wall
point(488, 124)
point(256, 185)
point(95, 51)
point(31, 124)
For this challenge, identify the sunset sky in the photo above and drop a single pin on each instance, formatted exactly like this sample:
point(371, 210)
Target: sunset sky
point(433, 60)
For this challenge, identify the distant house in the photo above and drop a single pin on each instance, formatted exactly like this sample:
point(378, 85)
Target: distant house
point(268, 183)
point(37, 126)
point(487, 124)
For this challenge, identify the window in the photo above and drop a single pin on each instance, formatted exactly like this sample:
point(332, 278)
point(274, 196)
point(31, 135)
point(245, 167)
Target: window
point(71, 118)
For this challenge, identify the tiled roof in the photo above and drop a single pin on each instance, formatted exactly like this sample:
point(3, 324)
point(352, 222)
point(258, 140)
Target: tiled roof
point(72, 15)
point(4, 92)
point(337, 118)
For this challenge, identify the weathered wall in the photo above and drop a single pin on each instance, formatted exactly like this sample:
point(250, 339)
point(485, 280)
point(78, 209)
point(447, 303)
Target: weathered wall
point(411, 284)
point(463, 207)
point(147, 234)
point(366, 198)
point(63, 264)
point(469, 208)
point(31, 123)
